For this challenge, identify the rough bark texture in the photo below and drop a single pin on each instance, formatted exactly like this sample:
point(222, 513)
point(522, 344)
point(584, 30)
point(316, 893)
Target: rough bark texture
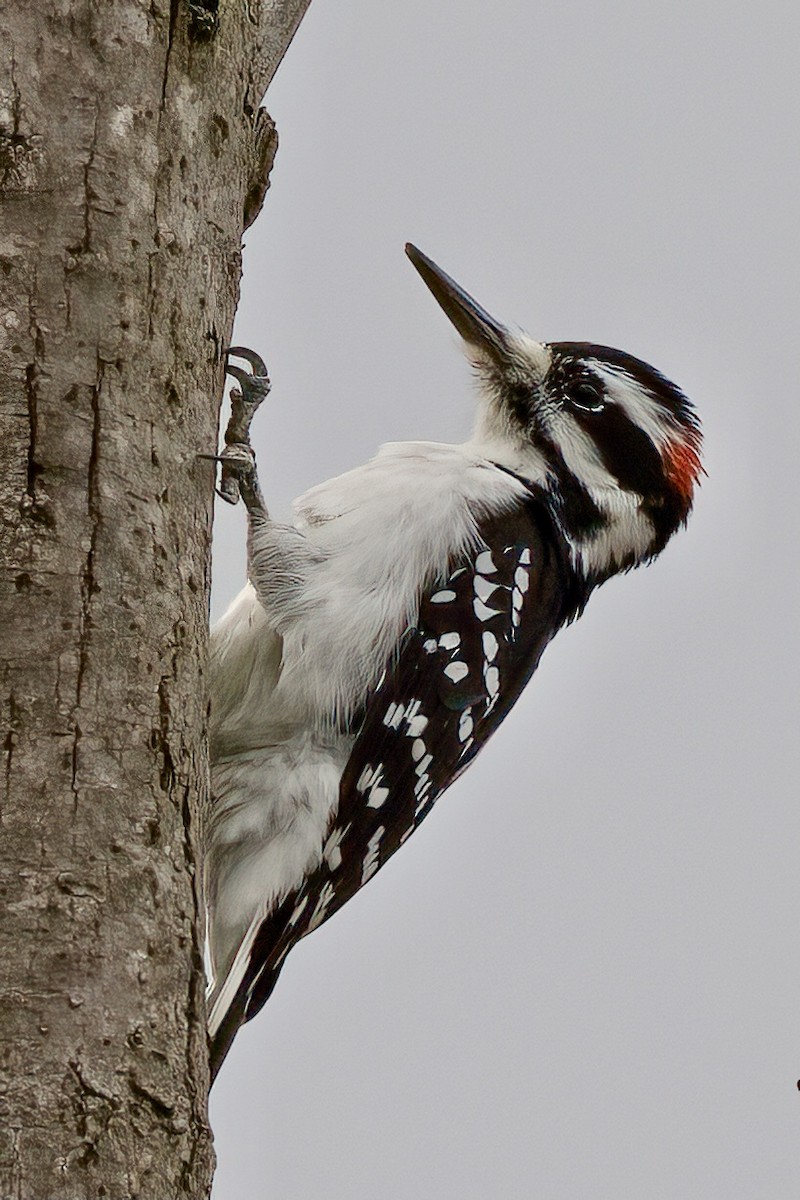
point(130, 148)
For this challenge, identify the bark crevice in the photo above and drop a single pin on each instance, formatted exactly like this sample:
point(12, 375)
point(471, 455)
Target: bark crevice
point(15, 146)
point(174, 8)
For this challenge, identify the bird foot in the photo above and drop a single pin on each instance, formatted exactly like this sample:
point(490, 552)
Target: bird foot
point(238, 476)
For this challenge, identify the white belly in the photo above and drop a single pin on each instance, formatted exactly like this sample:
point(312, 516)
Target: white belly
point(272, 810)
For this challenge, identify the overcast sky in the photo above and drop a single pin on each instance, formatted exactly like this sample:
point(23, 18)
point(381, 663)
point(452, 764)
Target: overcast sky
point(580, 978)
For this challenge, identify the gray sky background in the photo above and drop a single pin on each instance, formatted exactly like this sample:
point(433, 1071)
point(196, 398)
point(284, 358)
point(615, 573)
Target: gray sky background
point(580, 978)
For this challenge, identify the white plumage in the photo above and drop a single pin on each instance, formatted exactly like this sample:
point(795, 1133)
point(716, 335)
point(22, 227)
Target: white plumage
point(292, 661)
point(387, 632)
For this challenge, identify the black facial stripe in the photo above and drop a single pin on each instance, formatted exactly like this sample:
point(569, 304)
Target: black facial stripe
point(580, 516)
point(577, 511)
point(625, 450)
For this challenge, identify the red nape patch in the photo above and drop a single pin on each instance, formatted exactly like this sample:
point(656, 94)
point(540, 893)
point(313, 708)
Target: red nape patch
point(682, 466)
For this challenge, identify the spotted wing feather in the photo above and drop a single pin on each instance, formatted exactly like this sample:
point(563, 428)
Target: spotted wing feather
point(479, 636)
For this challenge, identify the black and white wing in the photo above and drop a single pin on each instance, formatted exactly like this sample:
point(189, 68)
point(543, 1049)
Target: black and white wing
point(477, 641)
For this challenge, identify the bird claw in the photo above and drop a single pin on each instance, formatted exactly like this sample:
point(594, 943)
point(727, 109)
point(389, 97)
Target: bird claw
point(250, 356)
point(238, 475)
point(254, 386)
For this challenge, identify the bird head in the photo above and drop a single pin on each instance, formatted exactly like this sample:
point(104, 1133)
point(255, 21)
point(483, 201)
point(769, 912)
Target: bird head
point(612, 443)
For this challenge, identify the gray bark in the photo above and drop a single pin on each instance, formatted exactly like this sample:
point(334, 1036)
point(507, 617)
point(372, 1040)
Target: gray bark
point(131, 157)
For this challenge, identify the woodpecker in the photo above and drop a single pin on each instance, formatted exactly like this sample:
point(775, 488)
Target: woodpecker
point(385, 634)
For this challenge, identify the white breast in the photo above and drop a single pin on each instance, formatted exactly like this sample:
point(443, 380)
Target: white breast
point(386, 531)
point(377, 536)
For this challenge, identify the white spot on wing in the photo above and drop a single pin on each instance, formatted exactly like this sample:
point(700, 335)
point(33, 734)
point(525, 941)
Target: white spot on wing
point(278, 961)
point(525, 557)
point(490, 646)
point(485, 564)
point(483, 588)
point(465, 725)
point(377, 797)
point(417, 749)
point(422, 766)
point(370, 781)
point(443, 597)
point(482, 612)
point(416, 726)
point(371, 857)
point(521, 579)
point(321, 907)
point(394, 715)
point(422, 789)
point(492, 677)
point(450, 641)
point(367, 777)
point(456, 670)
point(332, 852)
point(298, 911)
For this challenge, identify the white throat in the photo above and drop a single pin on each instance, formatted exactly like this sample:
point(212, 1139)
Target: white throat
point(624, 540)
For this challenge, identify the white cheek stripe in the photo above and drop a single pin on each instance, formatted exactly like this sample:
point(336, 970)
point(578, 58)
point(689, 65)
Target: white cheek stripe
point(642, 408)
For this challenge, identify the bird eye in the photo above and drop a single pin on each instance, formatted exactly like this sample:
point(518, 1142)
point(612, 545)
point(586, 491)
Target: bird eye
point(587, 397)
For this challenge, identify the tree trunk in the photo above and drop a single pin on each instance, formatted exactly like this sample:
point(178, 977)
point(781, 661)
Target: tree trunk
point(130, 148)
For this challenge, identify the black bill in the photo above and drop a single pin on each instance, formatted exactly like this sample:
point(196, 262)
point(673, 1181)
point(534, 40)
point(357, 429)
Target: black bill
point(472, 322)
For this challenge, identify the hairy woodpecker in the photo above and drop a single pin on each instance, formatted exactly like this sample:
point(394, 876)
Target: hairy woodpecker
point(384, 636)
